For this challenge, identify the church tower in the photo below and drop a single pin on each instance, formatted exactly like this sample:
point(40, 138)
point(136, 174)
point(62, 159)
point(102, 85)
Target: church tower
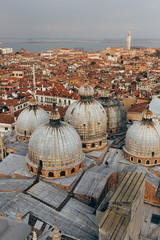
point(129, 41)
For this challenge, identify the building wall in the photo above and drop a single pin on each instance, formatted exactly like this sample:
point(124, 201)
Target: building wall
point(135, 224)
point(4, 128)
point(48, 100)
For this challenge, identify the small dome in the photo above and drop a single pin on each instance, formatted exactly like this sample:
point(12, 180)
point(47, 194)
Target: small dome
point(112, 108)
point(29, 119)
point(58, 146)
point(86, 91)
point(143, 139)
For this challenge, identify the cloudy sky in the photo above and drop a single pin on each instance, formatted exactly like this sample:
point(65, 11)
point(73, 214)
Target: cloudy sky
point(80, 18)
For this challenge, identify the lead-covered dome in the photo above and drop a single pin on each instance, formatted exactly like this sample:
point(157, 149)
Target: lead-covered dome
point(142, 143)
point(29, 119)
point(112, 108)
point(154, 106)
point(56, 148)
point(89, 118)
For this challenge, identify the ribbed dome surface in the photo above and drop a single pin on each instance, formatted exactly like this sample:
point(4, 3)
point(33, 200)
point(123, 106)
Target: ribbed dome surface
point(88, 118)
point(29, 119)
point(154, 106)
point(112, 109)
point(142, 139)
point(58, 145)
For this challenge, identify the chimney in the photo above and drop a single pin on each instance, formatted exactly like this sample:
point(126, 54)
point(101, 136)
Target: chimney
point(11, 109)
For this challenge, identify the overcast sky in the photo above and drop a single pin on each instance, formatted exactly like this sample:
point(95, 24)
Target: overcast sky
point(80, 18)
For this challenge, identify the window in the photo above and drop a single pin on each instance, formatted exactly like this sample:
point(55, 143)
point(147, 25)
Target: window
point(139, 160)
point(155, 219)
point(69, 102)
point(147, 162)
point(31, 169)
point(83, 145)
point(152, 154)
point(93, 145)
point(100, 143)
point(50, 174)
point(155, 161)
point(73, 170)
point(6, 128)
point(24, 133)
point(131, 158)
point(62, 174)
point(41, 163)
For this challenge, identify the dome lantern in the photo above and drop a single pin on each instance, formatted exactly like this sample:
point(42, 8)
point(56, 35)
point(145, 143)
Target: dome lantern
point(54, 115)
point(147, 115)
point(86, 91)
point(29, 119)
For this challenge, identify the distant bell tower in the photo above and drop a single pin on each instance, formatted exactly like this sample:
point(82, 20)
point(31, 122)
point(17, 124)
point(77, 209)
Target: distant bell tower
point(129, 41)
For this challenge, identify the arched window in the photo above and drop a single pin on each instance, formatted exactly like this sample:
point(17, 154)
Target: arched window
point(155, 161)
point(93, 144)
point(147, 162)
point(62, 174)
point(50, 174)
point(73, 170)
point(139, 160)
point(152, 154)
point(100, 143)
point(83, 145)
point(31, 169)
point(131, 158)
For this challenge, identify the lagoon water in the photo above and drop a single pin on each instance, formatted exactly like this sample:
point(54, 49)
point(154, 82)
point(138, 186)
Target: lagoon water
point(38, 45)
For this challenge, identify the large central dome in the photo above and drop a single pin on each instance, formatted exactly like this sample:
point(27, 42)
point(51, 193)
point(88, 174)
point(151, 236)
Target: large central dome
point(142, 143)
point(29, 119)
point(56, 146)
point(89, 118)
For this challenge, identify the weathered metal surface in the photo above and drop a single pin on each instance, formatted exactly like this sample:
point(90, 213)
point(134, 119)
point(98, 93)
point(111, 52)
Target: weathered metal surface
point(143, 139)
point(80, 227)
point(58, 146)
point(112, 108)
point(114, 224)
point(93, 182)
point(128, 188)
point(89, 119)
point(48, 193)
point(28, 120)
